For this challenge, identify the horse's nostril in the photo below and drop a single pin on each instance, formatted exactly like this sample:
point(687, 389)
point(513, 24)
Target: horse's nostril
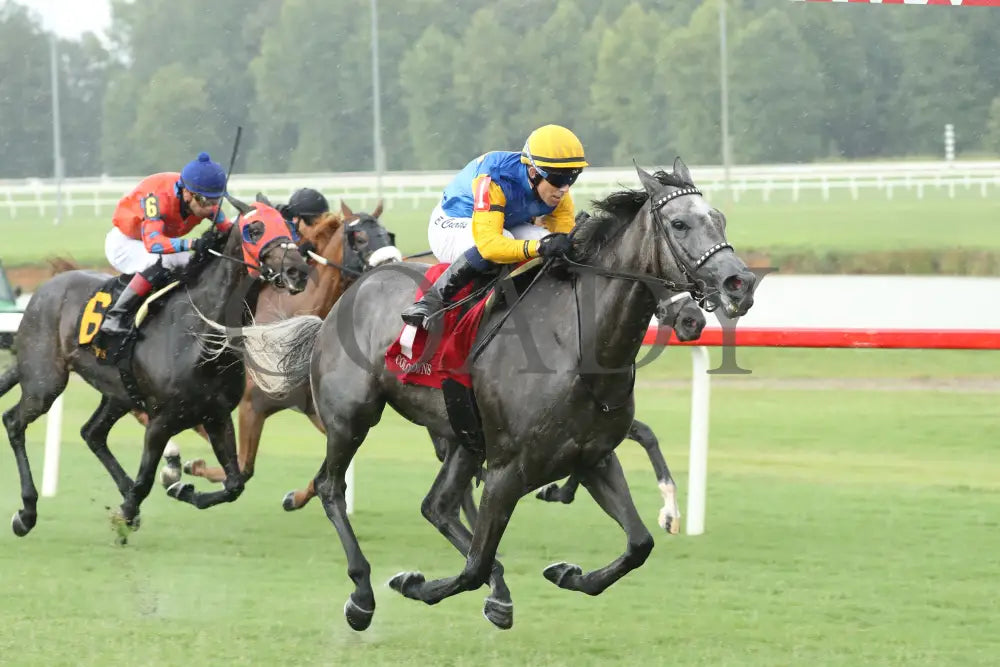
point(689, 322)
point(734, 284)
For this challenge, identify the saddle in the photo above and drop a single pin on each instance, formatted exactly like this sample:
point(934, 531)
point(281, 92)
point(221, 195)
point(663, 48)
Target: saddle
point(441, 359)
point(118, 350)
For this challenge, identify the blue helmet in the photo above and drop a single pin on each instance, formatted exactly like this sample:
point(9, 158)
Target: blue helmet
point(203, 176)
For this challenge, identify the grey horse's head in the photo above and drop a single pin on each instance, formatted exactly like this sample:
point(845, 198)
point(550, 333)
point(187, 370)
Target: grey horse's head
point(683, 315)
point(695, 235)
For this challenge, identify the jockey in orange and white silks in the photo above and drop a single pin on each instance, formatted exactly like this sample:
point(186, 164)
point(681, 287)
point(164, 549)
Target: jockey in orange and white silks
point(149, 223)
point(487, 213)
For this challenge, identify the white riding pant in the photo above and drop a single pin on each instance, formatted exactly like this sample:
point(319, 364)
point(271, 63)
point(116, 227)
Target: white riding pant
point(450, 237)
point(129, 255)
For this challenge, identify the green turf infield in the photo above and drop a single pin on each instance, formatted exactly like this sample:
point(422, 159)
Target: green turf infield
point(849, 522)
point(873, 223)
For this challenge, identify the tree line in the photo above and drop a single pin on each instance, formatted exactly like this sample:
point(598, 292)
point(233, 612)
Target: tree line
point(640, 79)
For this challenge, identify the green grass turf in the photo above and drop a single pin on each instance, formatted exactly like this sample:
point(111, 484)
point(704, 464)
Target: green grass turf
point(873, 222)
point(844, 527)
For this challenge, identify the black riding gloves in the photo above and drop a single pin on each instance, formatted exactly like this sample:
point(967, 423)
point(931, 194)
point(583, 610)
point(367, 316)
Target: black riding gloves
point(199, 245)
point(555, 245)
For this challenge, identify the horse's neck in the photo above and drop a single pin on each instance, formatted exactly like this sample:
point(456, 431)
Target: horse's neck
point(213, 291)
point(320, 293)
point(623, 308)
point(331, 282)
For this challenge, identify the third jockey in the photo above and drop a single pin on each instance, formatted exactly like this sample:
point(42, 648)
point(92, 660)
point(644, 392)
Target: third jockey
point(487, 213)
point(148, 223)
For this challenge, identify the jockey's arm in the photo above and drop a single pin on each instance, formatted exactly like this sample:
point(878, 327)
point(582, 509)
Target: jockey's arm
point(153, 236)
point(488, 202)
point(561, 219)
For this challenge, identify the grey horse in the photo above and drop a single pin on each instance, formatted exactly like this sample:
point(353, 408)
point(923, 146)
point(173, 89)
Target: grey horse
point(554, 387)
point(682, 314)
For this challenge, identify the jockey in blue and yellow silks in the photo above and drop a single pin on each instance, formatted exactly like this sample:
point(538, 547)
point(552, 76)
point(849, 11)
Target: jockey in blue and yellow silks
point(487, 213)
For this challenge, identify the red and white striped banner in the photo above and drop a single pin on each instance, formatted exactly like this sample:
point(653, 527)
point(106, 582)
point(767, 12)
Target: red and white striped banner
point(953, 3)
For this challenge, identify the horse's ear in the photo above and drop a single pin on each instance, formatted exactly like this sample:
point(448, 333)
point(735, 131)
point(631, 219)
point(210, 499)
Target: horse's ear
point(378, 210)
point(345, 210)
point(649, 182)
point(262, 198)
point(681, 170)
point(237, 204)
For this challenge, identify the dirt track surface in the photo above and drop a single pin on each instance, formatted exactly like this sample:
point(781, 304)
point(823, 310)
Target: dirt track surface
point(28, 278)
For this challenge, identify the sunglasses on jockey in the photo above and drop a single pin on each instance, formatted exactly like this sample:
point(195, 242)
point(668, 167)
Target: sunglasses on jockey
point(558, 178)
point(206, 201)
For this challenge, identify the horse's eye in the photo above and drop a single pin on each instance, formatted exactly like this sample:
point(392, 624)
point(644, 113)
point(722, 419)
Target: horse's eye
point(360, 238)
point(679, 225)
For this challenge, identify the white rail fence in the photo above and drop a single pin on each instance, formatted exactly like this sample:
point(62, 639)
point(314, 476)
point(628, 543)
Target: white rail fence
point(97, 196)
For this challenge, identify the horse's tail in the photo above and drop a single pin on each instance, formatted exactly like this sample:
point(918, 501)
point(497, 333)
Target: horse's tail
point(9, 380)
point(277, 355)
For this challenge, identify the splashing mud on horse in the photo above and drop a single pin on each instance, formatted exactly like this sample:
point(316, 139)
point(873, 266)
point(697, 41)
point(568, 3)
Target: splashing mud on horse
point(546, 413)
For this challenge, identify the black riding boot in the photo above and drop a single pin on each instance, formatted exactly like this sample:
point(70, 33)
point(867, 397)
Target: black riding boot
point(444, 289)
point(138, 289)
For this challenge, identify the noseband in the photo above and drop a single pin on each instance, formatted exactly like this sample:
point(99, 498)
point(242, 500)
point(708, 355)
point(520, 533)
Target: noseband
point(686, 267)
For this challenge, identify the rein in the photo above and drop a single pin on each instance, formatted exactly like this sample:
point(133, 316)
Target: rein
point(267, 274)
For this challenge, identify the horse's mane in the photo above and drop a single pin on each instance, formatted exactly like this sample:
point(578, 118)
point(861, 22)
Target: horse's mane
point(618, 207)
point(189, 273)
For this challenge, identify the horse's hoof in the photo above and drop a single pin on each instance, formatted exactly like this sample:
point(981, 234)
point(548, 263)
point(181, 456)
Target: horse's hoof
point(359, 619)
point(181, 491)
point(558, 573)
point(288, 502)
point(124, 527)
point(404, 582)
point(19, 525)
point(670, 524)
point(194, 466)
point(170, 475)
point(500, 614)
point(549, 494)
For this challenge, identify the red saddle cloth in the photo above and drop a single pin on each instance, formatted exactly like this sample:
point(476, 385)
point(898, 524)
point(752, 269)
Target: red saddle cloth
point(416, 357)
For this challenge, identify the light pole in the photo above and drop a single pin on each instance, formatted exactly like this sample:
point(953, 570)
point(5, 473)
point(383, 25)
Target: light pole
point(377, 121)
point(57, 160)
point(724, 88)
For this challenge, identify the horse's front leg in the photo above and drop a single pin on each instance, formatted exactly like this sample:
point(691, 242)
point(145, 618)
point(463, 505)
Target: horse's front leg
point(501, 492)
point(158, 431)
point(606, 483)
point(565, 494)
point(222, 435)
point(297, 498)
point(670, 514)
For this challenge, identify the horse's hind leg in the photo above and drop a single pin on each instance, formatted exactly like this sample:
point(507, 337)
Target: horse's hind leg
point(223, 438)
point(606, 483)
point(38, 392)
point(95, 434)
point(442, 446)
point(503, 488)
point(670, 514)
point(450, 490)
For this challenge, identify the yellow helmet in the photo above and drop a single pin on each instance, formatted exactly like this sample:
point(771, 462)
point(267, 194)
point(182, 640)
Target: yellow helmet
point(555, 147)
